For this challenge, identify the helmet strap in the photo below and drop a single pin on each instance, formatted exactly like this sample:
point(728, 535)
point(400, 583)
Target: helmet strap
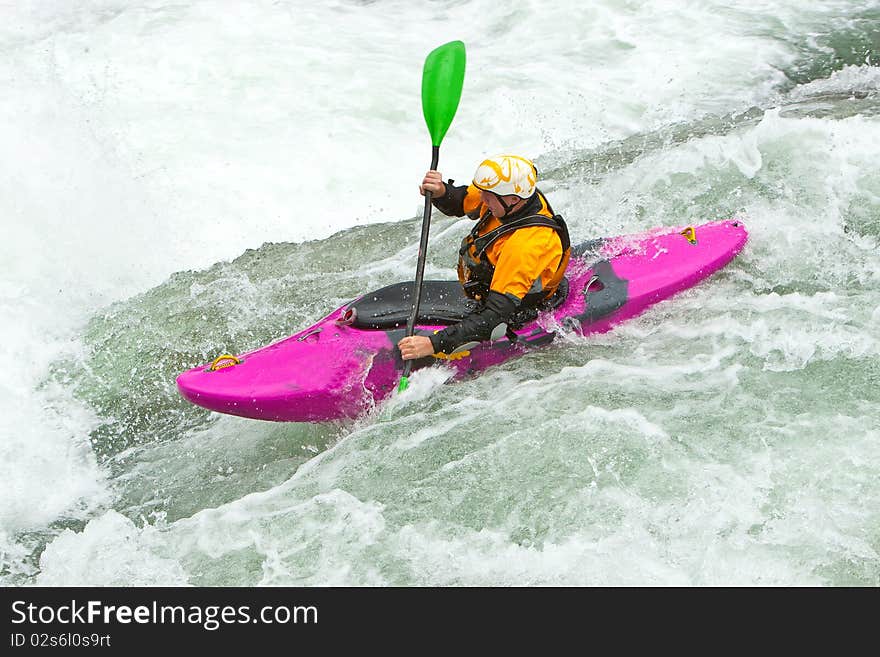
point(505, 205)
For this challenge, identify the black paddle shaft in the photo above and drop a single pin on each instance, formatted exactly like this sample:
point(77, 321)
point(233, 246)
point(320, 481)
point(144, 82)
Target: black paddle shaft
point(420, 265)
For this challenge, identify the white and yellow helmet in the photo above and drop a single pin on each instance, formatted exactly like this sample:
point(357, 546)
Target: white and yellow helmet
point(507, 174)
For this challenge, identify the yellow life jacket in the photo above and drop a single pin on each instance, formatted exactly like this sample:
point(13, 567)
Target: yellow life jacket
point(524, 256)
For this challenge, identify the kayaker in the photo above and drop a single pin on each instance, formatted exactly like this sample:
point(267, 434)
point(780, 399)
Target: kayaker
point(513, 261)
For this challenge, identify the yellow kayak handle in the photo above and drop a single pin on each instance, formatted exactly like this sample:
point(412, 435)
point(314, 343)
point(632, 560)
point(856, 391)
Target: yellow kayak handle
point(690, 234)
point(224, 360)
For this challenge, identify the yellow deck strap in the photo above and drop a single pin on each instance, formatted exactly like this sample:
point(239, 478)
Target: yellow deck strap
point(454, 356)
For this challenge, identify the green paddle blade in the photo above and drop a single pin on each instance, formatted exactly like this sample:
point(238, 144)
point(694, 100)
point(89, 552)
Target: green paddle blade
point(442, 80)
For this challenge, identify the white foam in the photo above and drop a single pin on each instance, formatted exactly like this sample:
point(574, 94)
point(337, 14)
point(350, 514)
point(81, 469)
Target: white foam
point(848, 80)
point(110, 551)
point(421, 385)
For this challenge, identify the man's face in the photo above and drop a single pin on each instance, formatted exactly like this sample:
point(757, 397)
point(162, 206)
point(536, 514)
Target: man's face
point(491, 200)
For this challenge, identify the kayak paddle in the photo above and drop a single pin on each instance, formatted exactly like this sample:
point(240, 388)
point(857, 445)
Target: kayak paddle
point(442, 80)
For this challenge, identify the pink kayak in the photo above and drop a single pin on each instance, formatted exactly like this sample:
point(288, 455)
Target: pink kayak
point(346, 362)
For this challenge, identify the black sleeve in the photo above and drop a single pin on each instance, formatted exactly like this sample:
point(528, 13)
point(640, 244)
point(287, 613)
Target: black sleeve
point(477, 326)
point(452, 202)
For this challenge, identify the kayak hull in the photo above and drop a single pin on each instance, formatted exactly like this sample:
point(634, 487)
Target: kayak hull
point(334, 369)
